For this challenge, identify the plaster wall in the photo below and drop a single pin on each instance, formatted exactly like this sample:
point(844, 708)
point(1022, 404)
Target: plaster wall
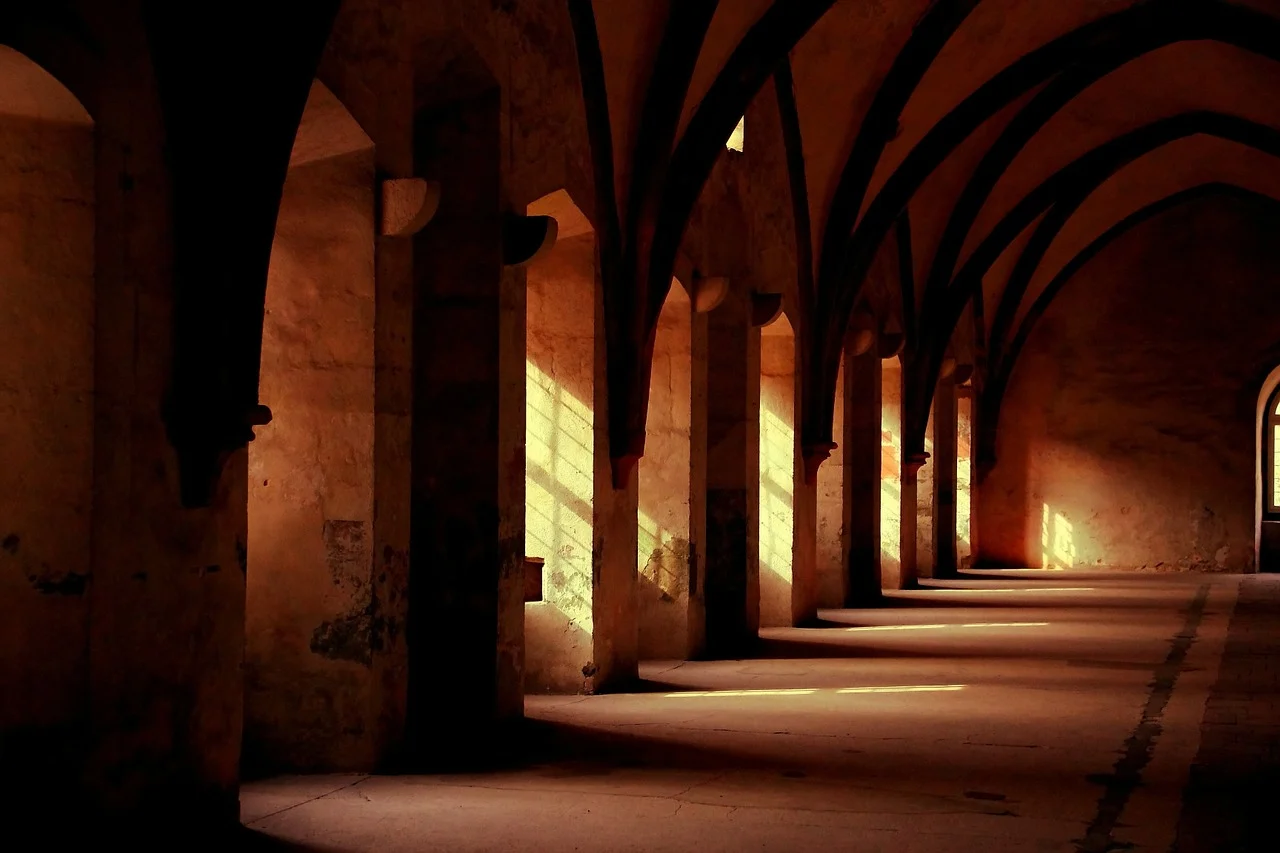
point(310, 623)
point(560, 464)
point(1127, 434)
point(47, 309)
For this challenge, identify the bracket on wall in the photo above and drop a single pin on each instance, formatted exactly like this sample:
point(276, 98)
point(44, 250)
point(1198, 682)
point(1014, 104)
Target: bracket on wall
point(814, 456)
point(765, 308)
point(407, 205)
point(964, 372)
point(709, 292)
point(891, 344)
point(203, 444)
point(912, 464)
point(526, 237)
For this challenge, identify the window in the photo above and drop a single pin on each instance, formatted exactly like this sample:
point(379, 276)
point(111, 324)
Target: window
point(1271, 452)
point(736, 138)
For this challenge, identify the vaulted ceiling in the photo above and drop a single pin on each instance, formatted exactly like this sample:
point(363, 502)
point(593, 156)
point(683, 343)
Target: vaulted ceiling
point(997, 140)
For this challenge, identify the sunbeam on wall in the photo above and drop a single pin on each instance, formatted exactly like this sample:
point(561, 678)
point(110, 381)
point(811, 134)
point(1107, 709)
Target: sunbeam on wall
point(964, 468)
point(1057, 543)
point(890, 471)
point(777, 472)
point(560, 464)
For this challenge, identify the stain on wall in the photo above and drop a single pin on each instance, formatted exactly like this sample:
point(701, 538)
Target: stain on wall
point(1127, 436)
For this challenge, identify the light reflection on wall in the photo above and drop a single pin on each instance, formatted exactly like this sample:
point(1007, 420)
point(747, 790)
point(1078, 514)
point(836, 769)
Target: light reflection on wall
point(890, 470)
point(964, 470)
point(777, 472)
point(1057, 540)
point(560, 463)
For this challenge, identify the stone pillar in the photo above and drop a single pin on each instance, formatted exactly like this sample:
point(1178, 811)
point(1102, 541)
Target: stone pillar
point(733, 461)
point(909, 559)
point(944, 478)
point(466, 573)
point(672, 488)
point(832, 521)
point(166, 599)
point(893, 545)
point(862, 438)
point(924, 506)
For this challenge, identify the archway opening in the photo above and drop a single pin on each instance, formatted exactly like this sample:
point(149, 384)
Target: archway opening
point(561, 363)
point(1267, 488)
point(964, 477)
point(669, 592)
point(891, 472)
point(310, 637)
point(777, 472)
point(832, 574)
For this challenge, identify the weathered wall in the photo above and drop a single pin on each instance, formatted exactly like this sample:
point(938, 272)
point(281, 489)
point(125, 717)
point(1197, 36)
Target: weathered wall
point(560, 463)
point(310, 622)
point(1127, 438)
point(669, 588)
point(46, 411)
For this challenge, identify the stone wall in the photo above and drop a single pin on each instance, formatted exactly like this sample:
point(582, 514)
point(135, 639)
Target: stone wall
point(1127, 436)
point(311, 625)
point(46, 413)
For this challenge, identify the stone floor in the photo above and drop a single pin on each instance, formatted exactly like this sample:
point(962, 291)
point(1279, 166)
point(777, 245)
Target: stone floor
point(1027, 711)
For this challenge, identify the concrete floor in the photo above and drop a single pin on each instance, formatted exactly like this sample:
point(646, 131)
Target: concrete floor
point(1027, 711)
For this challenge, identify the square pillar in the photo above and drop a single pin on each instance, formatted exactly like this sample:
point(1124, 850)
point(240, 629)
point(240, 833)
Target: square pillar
point(944, 478)
point(862, 440)
point(733, 462)
point(465, 622)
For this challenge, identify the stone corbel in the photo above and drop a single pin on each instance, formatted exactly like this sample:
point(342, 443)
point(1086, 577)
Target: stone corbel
point(525, 238)
point(912, 464)
point(407, 205)
point(891, 343)
point(709, 292)
point(814, 456)
point(964, 372)
point(765, 308)
point(204, 442)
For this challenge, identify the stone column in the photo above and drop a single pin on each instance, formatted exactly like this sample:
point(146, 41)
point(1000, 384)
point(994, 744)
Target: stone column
point(862, 439)
point(733, 436)
point(944, 478)
point(466, 563)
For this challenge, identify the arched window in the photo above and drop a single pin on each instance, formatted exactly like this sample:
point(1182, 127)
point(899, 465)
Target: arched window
point(1270, 454)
